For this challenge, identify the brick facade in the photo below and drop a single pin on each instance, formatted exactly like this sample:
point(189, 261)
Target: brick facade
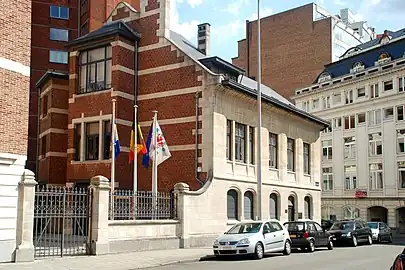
point(294, 49)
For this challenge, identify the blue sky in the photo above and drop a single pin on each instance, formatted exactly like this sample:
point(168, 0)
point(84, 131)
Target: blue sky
point(227, 17)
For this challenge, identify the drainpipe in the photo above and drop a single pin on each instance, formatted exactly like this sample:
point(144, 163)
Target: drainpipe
point(247, 48)
point(38, 124)
point(197, 95)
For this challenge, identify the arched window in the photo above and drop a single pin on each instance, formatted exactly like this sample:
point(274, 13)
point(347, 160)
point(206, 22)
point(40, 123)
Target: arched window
point(325, 76)
point(248, 205)
point(274, 206)
point(358, 66)
point(307, 207)
point(328, 213)
point(351, 212)
point(232, 204)
point(291, 208)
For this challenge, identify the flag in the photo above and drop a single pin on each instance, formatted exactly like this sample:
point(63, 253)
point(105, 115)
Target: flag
point(117, 148)
point(140, 147)
point(145, 158)
point(161, 148)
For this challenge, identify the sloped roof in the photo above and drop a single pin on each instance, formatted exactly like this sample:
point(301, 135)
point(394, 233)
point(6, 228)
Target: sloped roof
point(376, 41)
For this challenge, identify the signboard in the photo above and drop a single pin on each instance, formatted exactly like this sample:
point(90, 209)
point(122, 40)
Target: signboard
point(360, 194)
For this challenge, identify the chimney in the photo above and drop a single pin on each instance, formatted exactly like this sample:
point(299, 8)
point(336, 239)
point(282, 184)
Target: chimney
point(204, 38)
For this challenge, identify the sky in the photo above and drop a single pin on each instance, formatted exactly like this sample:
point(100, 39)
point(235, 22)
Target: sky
point(228, 17)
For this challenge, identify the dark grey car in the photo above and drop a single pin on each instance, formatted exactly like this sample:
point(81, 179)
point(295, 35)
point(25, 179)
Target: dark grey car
point(380, 231)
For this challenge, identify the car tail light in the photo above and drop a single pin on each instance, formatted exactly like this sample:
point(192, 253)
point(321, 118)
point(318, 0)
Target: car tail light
point(306, 235)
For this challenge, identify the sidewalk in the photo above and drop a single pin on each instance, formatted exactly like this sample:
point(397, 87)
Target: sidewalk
point(122, 261)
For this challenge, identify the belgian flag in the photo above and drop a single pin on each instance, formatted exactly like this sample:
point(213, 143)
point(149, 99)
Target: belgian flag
point(140, 147)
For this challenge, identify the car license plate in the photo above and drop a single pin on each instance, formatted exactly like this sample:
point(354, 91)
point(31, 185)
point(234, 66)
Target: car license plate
point(227, 247)
point(293, 236)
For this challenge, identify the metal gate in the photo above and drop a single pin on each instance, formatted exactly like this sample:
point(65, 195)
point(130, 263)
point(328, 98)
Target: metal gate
point(61, 221)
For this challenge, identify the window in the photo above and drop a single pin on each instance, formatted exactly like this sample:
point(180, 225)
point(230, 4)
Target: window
point(106, 139)
point(375, 144)
point(400, 113)
point(315, 104)
point(290, 154)
point(376, 176)
point(374, 117)
point(232, 204)
point(44, 105)
point(59, 12)
point(240, 142)
point(326, 102)
point(58, 34)
point(92, 140)
point(361, 118)
point(306, 155)
point(77, 139)
point(388, 86)
point(305, 106)
point(273, 150)
point(401, 141)
point(401, 174)
point(337, 99)
point(350, 147)
point(95, 70)
point(327, 177)
point(59, 57)
point(318, 228)
point(274, 206)
point(374, 91)
point(252, 145)
point(276, 226)
point(338, 122)
point(388, 113)
point(351, 212)
point(248, 205)
point(350, 122)
point(228, 139)
point(401, 84)
point(350, 177)
point(307, 207)
point(349, 97)
point(327, 150)
point(361, 92)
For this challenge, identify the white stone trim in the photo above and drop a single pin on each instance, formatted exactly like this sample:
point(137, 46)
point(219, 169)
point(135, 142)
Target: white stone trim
point(122, 95)
point(57, 110)
point(53, 130)
point(90, 119)
point(162, 43)
point(14, 66)
point(123, 69)
point(171, 121)
point(71, 151)
point(74, 96)
point(72, 76)
point(170, 93)
point(149, 13)
point(123, 44)
point(124, 149)
point(165, 68)
point(75, 53)
point(55, 154)
point(185, 147)
point(124, 122)
point(54, 86)
point(12, 159)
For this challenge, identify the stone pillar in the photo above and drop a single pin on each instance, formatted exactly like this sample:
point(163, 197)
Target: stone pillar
point(299, 160)
point(180, 190)
point(282, 156)
point(25, 218)
point(99, 221)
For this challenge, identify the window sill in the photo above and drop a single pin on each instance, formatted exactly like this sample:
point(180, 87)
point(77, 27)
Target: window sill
point(307, 174)
point(273, 169)
point(90, 161)
point(77, 94)
point(291, 172)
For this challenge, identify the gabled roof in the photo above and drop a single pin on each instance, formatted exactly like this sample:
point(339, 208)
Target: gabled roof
point(108, 29)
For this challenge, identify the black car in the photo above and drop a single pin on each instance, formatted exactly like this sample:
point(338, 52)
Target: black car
point(351, 232)
point(399, 262)
point(308, 235)
point(326, 224)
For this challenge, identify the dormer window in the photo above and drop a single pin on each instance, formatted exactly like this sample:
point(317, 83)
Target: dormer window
point(324, 77)
point(358, 66)
point(95, 70)
point(385, 40)
point(384, 58)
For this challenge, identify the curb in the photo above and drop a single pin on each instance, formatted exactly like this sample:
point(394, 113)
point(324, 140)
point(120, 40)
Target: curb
point(181, 261)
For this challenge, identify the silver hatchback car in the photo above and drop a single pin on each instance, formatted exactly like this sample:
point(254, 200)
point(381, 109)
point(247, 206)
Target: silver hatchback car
point(254, 238)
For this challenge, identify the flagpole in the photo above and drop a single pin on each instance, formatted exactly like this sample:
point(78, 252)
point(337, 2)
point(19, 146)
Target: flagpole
point(113, 157)
point(135, 149)
point(154, 172)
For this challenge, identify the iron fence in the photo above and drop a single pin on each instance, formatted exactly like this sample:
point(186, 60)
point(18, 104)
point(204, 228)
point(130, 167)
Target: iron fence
point(130, 205)
point(61, 221)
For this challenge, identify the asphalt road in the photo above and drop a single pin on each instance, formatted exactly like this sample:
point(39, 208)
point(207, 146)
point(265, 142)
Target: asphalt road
point(375, 257)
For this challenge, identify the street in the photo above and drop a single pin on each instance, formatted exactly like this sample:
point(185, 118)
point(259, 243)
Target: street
point(378, 257)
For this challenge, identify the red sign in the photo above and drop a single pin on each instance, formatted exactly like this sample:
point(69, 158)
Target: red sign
point(360, 194)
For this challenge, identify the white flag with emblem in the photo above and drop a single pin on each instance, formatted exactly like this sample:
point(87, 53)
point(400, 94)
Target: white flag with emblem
point(162, 150)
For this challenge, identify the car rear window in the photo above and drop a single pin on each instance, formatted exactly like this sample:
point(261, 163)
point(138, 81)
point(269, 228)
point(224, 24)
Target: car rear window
point(343, 226)
point(295, 226)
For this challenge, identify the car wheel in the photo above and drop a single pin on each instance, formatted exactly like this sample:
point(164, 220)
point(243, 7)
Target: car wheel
point(390, 239)
point(259, 251)
point(311, 247)
point(354, 241)
point(330, 245)
point(287, 248)
point(370, 240)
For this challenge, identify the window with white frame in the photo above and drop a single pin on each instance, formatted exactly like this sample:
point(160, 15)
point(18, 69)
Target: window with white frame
point(326, 102)
point(350, 122)
point(389, 113)
point(376, 176)
point(229, 139)
point(350, 177)
point(307, 160)
point(240, 142)
point(361, 118)
point(349, 97)
point(336, 99)
point(337, 122)
point(327, 177)
point(400, 113)
point(401, 141)
point(401, 84)
point(305, 106)
point(351, 212)
point(375, 144)
point(59, 12)
point(315, 104)
point(350, 147)
point(273, 139)
point(374, 117)
point(252, 145)
point(290, 154)
point(361, 92)
point(326, 150)
point(374, 93)
point(388, 85)
point(401, 174)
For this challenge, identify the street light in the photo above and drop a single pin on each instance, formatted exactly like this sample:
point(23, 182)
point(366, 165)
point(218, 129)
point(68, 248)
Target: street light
point(259, 126)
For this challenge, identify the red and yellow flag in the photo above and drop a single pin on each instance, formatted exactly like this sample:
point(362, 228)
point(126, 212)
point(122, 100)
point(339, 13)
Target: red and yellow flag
point(140, 147)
